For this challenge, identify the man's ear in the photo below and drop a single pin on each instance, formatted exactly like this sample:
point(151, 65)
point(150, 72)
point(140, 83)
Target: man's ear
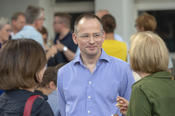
point(74, 36)
point(104, 35)
point(52, 85)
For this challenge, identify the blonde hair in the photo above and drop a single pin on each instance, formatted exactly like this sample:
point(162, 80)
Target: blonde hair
point(148, 53)
point(147, 22)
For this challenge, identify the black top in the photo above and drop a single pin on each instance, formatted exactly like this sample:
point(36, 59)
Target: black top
point(60, 57)
point(12, 104)
point(41, 94)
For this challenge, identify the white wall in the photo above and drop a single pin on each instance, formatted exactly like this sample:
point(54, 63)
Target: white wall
point(48, 9)
point(159, 5)
point(74, 7)
point(123, 11)
point(8, 7)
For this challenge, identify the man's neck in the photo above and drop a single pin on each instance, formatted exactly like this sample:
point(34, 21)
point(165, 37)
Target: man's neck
point(15, 31)
point(109, 36)
point(45, 91)
point(64, 32)
point(90, 61)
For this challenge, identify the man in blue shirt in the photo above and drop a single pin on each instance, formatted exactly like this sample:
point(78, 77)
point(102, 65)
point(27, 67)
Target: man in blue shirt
point(90, 84)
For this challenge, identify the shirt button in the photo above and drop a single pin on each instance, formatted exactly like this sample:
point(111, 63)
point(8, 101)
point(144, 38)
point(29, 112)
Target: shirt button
point(89, 97)
point(89, 111)
point(90, 82)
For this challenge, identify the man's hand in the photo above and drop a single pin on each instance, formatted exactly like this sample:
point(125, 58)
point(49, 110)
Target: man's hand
point(59, 46)
point(51, 52)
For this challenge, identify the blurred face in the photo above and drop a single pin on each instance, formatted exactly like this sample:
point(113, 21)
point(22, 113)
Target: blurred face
point(100, 14)
point(139, 28)
point(89, 37)
point(57, 24)
point(40, 21)
point(5, 33)
point(19, 23)
point(45, 36)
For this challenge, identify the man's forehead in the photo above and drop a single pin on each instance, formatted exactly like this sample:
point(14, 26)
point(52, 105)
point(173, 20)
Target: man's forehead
point(89, 24)
point(88, 20)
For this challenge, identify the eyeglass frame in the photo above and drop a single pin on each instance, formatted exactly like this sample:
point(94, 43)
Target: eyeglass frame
point(87, 36)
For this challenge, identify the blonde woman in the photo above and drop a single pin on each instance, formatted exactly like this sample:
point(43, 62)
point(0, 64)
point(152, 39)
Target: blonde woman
point(153, 95)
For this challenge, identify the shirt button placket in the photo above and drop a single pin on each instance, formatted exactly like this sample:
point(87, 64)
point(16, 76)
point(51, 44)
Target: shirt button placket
point(89, 97)
point(89, 111)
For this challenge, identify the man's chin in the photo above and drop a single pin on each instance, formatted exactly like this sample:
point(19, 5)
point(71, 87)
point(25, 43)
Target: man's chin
point(93, 53)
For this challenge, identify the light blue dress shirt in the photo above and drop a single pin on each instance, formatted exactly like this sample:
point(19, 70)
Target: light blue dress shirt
point(29, 32)
point(53, 102)
point(82, 93)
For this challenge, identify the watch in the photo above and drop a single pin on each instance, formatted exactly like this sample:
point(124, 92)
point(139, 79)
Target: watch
point(65, 49)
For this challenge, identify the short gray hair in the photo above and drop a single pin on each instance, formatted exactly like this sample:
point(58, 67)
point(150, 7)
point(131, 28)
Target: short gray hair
point(3, 21)
point(33, 13)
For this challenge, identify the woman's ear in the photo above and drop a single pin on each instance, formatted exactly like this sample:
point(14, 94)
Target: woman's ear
point(38, 78)
point(39, 75)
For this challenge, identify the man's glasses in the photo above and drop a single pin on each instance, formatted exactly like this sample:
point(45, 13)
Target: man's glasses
point(86, 36)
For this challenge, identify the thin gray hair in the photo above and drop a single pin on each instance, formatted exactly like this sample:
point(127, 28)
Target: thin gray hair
point(3, 21)
point(33, 13)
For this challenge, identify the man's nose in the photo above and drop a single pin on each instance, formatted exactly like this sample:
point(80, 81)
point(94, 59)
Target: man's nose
point(91, 39)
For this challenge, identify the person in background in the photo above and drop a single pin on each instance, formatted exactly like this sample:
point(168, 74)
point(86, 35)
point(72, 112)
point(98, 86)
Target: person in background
point(63, 40)
point(18, 21)
point(34, 21)
point(100, 14)
point(90, 84)
point(154, 93)
point(48, 86)
point(23, 63)
point(5, 30)
point(111, 46)
point(147, 22)
point(53, 96)
point(44, 34)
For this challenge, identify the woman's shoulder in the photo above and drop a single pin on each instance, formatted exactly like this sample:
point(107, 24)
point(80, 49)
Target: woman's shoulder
point(41, 108)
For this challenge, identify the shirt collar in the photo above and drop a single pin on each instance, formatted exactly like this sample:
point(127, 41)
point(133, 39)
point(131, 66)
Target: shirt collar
point(29, 27)
point(162, 74)
point(103, 58)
